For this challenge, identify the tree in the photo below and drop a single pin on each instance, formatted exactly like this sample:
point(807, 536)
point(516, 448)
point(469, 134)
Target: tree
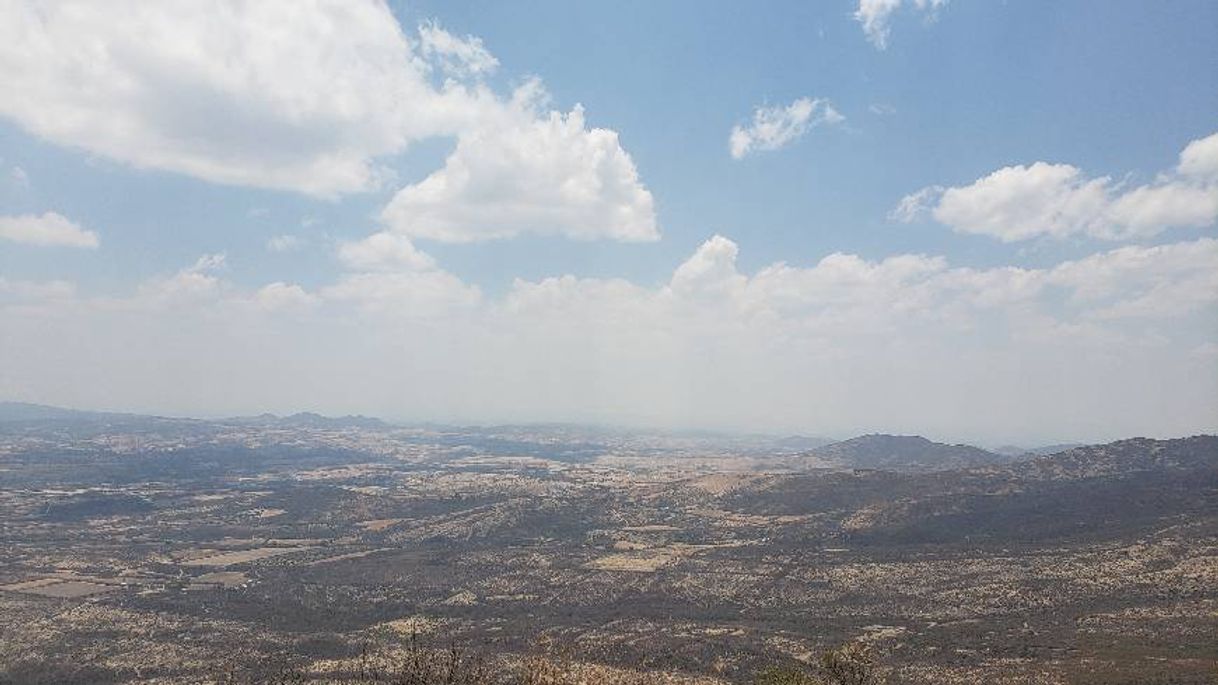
point(851, 664)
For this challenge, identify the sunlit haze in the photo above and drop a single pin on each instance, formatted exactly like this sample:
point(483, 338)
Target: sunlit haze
point(978, 221)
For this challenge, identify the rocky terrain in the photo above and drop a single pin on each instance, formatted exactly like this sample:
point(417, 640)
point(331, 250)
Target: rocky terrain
point(902, 453)
point(144, 550)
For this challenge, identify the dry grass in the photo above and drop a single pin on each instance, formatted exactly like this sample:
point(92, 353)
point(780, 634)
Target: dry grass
point(417, 663)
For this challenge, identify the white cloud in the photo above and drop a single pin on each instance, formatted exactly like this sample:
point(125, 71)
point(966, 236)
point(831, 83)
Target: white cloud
point(460, 57)
point(273, 94)
point(1058, 200)
point(1101, 345)
point(1017, 203)
point(1200, 158)
point(47, 230)
point(280, 296)
point(915, 206)
point(384, 252)
point(310, 97)
point(775, 127)
point(529, 172)
point(404, 294)
point(390, 276)
point(33, 291)
point(853, 295)
point(1160, 281)
point(710, 270)
point(195, 283)
point(875, 16)
point(1148, 210)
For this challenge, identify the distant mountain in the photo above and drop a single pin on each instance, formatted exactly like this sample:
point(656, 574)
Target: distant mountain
point(1124, 457)
point(1091, 492)
point(25, 416)
point(801, 442)
point(1017, 451)
point(903, 453)
point(24, 412)
point(311, 420)
point(1054, 449)
point(1094, 490)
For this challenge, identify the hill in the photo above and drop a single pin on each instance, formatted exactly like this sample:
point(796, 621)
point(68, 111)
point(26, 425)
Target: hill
point(25, 412)
point(22, 415)
point(1123, 457)
point(902, 453)
point(313, 420)
point(1129, 486)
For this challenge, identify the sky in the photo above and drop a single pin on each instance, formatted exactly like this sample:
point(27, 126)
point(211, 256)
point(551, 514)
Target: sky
point(967, 219)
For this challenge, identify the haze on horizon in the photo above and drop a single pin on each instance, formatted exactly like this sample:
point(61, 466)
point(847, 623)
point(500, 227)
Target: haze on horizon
point(972, 221)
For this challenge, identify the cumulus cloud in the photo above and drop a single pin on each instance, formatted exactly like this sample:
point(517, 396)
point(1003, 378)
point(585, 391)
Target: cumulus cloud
point(456, 56)
point(710, 270)
point(1020, 202)
point(404, 294)
point(1058, 200)
point(843, 343)
point(876, 16)
point(272, 94)
point(50, 229)
point(527, 171)
point(280, 296)
point(197, 282)
point(390, 276)
point(776, 127)
point(311, 97)
point(916, 206)
point(1199, 159)
point(384, 252)
point(1159, 281)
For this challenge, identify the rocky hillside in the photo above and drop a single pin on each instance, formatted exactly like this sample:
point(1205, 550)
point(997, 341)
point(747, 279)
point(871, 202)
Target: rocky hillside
point(1092, 492)
point(1123, 457)
point(901, 453)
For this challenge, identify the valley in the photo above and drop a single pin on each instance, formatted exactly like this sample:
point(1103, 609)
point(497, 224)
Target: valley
point(160, 550)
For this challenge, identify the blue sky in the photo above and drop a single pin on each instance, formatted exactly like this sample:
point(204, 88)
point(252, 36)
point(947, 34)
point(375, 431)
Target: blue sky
point(199, 159)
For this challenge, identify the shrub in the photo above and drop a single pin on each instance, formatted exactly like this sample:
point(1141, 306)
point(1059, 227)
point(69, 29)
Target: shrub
point(785, 676)
point(853, 663)
point(850, 664)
